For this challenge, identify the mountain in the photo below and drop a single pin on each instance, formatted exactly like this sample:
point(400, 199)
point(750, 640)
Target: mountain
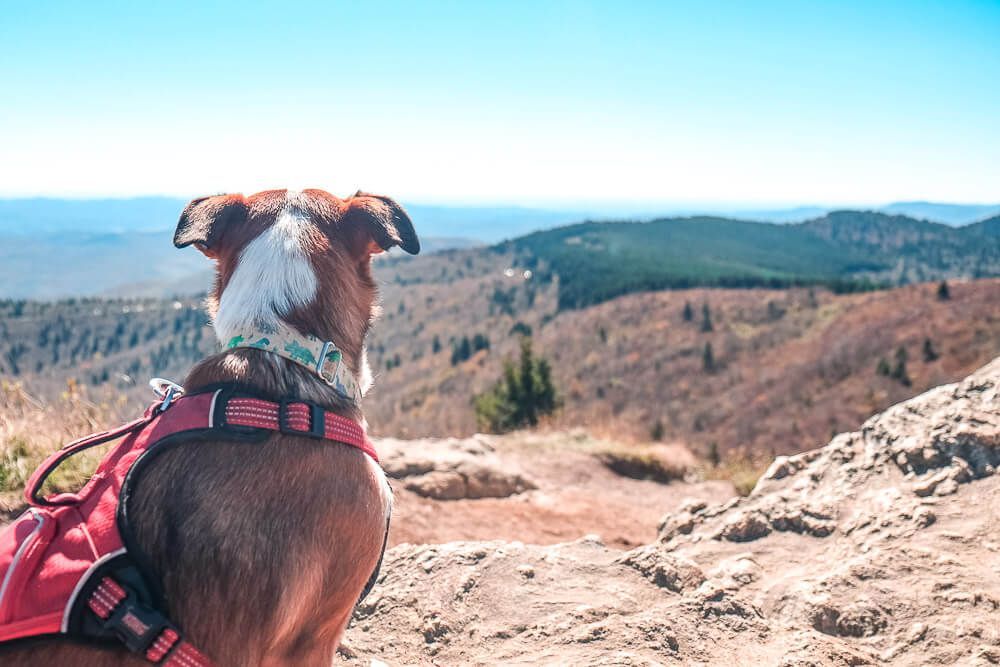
point(950, 214)
point(41, 216)
point(67, 264)
point(845, 250)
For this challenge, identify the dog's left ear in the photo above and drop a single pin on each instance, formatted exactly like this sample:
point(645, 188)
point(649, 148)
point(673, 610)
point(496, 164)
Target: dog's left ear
point(204, 222)
point(384, 220)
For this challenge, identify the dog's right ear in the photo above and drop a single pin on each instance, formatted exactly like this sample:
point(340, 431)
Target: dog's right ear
point(204, 222)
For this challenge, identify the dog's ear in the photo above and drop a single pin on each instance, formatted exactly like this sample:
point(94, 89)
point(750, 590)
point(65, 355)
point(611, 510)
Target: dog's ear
point(204, 222)
point(385, 221)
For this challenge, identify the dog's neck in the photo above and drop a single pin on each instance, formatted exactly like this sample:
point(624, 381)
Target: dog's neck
point(273, 287)
point(319, 356)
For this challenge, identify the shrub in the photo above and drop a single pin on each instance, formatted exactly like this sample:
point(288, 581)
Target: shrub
point(522, 395)
point(659, 463)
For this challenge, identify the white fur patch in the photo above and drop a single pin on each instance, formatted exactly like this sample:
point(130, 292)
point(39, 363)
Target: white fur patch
point(273, 277)
point(366, 380)
point(383, 483)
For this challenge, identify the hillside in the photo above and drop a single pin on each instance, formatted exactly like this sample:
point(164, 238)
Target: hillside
point(847, 251)
point(788, 367)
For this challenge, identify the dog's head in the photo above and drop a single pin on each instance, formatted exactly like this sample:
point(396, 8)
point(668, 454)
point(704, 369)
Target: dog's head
point(303, 258)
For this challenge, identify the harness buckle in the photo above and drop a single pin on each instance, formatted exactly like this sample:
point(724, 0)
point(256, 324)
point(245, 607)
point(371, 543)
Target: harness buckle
point(135, 624)
point(317, 420)
point(165, 390)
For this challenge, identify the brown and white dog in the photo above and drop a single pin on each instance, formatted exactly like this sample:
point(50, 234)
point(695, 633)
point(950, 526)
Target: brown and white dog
point(264, 551)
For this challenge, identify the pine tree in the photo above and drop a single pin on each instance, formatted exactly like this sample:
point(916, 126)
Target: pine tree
point(708, 358)
point(883, 368)
point(658, 431)
point(713, 454)
point(943, 291)
point(706, 318)
point(436, 345)
point(528, 410)
point(930, 354)
point(523, 394)
point(688, 312)
point(899, 370)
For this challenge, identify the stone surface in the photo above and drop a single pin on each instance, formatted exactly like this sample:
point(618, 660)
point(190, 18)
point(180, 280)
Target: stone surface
point(880, 548)
point(452, 468)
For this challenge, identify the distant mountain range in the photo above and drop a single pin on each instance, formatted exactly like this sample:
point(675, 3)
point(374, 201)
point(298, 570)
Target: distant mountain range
point(844, 250)
point(37, 216)
point(42, 216)
point(53, 248)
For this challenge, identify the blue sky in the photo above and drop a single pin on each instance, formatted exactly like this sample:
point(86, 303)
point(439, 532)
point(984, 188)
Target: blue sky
point(535, 103)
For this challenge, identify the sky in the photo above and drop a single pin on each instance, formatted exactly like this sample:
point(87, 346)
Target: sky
point(531, 103)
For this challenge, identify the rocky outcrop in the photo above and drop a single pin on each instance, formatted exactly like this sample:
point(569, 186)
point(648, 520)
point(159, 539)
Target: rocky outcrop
point(882, 547)
point(451, 469)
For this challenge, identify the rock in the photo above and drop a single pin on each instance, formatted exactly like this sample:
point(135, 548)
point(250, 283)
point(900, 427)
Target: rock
point(878, 548)
point(736, 572)
point(664, 569)
point(745, 526)
point(452, 469)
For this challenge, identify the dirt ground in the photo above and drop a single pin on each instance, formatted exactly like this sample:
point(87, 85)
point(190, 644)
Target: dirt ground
point(576, 495)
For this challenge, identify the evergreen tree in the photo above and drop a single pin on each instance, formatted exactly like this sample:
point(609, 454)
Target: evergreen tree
point(943, 291)
point(688, 312)
point(930, 354)
point(883, 368)
point(436, 344)
point(528, 410)
point(480, 342)
point(658, 431)
point(713, 454)
point(899, 370)
point(706, 318)
point(461, 351)
point(708, 358)
point(523, 394)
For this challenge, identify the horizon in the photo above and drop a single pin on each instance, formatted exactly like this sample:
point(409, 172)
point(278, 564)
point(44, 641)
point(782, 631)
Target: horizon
point(773, 106)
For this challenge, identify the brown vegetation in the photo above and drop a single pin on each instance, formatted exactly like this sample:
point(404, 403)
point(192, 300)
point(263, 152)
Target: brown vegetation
point(787, 367)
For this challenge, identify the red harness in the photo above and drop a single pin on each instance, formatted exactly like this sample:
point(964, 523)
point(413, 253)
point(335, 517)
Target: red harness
point(70, 565)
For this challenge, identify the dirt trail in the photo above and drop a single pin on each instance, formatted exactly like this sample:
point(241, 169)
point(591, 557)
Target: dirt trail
point(550, 488)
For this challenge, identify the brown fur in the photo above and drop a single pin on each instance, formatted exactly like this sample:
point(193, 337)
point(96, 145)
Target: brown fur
point(263, 549)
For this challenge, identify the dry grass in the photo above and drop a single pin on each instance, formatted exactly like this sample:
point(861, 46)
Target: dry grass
point(656, 462)
point(743, 470)
point(31, 430)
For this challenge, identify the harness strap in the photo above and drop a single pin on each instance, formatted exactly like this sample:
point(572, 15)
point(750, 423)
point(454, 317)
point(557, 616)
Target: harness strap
point(303, 419)
point(143, 630)
point(34, 485)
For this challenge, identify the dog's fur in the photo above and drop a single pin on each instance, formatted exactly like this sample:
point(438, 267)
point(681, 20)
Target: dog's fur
point(263, 549)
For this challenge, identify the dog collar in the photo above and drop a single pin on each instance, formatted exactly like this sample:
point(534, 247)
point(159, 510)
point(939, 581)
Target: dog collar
point(321, 357)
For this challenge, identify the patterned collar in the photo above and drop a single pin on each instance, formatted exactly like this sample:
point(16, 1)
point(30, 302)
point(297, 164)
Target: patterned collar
point(321, 357)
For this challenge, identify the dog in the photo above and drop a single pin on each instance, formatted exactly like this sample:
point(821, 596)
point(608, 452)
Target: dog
point(263, 551)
